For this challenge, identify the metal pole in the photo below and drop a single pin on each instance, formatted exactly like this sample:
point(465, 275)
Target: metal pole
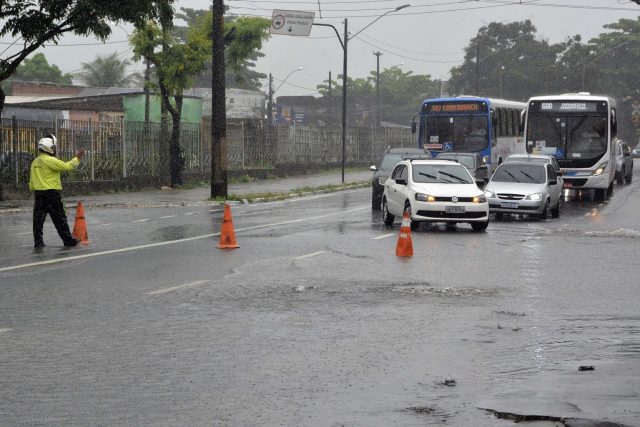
point(93, 151)
point(124, 148)
point(344, 97)
point(378, 88)
point(477, 67)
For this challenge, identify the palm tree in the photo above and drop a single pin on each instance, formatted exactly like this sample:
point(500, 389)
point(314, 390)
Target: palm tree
point(109, 71)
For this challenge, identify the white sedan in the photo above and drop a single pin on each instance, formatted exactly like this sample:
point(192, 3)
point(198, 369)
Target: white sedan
point(434, 191)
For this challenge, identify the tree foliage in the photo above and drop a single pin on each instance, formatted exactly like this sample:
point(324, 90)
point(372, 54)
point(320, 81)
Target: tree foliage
point(246, 37)
point(400, 93)
point(106, 71)
point(38, 69)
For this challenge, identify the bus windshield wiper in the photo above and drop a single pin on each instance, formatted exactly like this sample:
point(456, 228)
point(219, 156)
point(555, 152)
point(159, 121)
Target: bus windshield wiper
point(530, 177)
point(454, 177)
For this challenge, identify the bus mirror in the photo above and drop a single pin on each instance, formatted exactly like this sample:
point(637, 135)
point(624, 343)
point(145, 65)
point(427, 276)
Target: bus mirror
point(413, 126)
point(521, 123)
point(614, 123)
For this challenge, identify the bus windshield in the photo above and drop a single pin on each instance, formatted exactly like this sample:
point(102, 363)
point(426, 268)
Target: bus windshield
point(567, 137)
point(461, 133)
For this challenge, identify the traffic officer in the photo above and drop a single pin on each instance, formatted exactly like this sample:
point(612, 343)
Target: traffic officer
point(44, 181)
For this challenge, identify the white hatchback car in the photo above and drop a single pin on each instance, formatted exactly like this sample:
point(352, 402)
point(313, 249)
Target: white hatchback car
point(434, 191)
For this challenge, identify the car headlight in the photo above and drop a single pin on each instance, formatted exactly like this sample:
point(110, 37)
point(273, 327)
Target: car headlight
point(485, 159)
point(600, 169)
point(480, 199)
point(382, 180)
point(425, 198)
point(534, 196)
point(489, 194)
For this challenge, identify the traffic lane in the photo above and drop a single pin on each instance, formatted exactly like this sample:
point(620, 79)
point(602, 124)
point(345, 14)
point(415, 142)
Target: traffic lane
point(321, 320)
point(113, 228)
point(273, 300)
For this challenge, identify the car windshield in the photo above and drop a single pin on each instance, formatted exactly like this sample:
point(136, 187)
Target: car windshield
point(533, 173)
point(390, 160)
point(443, 174)
point(464, 160)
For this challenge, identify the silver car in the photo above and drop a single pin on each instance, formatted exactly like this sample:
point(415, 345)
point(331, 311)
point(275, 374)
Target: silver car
point(524, 188)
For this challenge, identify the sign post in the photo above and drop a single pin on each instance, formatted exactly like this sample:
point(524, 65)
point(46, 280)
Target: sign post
point(291, 22)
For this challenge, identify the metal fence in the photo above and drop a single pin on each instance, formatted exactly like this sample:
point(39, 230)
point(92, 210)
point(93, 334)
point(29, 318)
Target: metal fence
point(118, 150)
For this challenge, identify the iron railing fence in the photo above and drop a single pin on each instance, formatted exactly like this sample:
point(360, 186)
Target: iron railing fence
point(119, 150)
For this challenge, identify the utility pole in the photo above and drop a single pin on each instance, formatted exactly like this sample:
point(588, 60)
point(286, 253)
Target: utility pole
point(477, 68)
point(344, 97)
point(270, 102)
point(330, 100)
point(218, 108)
point(377, 54)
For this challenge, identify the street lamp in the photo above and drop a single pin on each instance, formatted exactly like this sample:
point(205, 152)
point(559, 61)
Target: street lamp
point(344, 42)
point(271, 92)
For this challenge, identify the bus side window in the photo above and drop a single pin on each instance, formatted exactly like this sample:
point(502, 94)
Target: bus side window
point(508, 122)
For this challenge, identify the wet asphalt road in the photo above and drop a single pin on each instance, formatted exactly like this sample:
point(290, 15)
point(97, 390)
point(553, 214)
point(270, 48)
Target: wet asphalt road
point(315, 321)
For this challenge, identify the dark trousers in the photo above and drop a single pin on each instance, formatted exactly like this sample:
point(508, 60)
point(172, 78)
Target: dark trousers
point(50, 202)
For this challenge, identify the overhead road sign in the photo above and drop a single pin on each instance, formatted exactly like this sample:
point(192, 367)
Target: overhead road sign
point(291, 22)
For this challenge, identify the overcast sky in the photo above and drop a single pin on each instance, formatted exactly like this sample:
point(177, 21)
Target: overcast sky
point(426, 38)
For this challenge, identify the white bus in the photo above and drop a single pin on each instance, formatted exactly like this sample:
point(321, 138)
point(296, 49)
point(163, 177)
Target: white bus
point(470, 124)
point(580, 130)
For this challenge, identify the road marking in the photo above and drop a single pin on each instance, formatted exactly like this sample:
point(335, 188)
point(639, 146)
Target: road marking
point(384, 236)
point(171, 242)
point(141, 220)
point(168, 216)
point(175, 288)
point(5, 330)
point(20, 234)
point(311, 255)
point(191, 213)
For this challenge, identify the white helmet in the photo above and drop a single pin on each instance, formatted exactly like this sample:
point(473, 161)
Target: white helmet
point(48, 144)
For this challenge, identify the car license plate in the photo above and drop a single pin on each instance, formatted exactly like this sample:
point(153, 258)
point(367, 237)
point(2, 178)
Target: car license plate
point(509, 205)
point(454, 209)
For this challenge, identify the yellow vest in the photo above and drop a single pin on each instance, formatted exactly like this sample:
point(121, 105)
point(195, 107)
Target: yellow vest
point(45, 172)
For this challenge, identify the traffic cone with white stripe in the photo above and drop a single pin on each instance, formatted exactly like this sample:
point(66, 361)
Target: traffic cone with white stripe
point(405, 244)
point(227, 234)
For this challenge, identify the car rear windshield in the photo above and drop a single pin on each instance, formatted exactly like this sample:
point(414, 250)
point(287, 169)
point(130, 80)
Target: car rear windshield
point(442, 174)
point(532, 173)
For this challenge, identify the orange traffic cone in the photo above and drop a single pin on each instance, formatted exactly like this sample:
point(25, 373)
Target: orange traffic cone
point(405, 244)
point(80, 226)
point(227, 235)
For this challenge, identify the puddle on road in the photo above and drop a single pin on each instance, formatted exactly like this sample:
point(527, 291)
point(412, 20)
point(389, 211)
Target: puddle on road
point(430, 290)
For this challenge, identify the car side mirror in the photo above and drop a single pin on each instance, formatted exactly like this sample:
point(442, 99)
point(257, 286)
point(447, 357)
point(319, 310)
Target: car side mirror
point(553, 182)
point(558, 173)
point(373, 168)
point(626, 154)
point(401, 181)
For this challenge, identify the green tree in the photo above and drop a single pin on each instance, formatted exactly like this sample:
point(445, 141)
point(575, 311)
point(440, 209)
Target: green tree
point(175, 63)
point(106, 71)
point(242, 51)
point(400, 94)
point(38, 69)
point(506, 60)
point(34, 23)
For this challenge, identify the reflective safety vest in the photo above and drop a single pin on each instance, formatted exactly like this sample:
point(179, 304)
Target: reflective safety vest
point(45, 172)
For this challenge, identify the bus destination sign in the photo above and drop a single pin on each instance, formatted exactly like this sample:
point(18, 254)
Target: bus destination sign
point(568, 106)
point(454, 107)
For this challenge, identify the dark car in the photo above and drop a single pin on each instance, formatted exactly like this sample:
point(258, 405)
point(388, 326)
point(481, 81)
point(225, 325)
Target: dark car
point(473, 162)
point(383, 169)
